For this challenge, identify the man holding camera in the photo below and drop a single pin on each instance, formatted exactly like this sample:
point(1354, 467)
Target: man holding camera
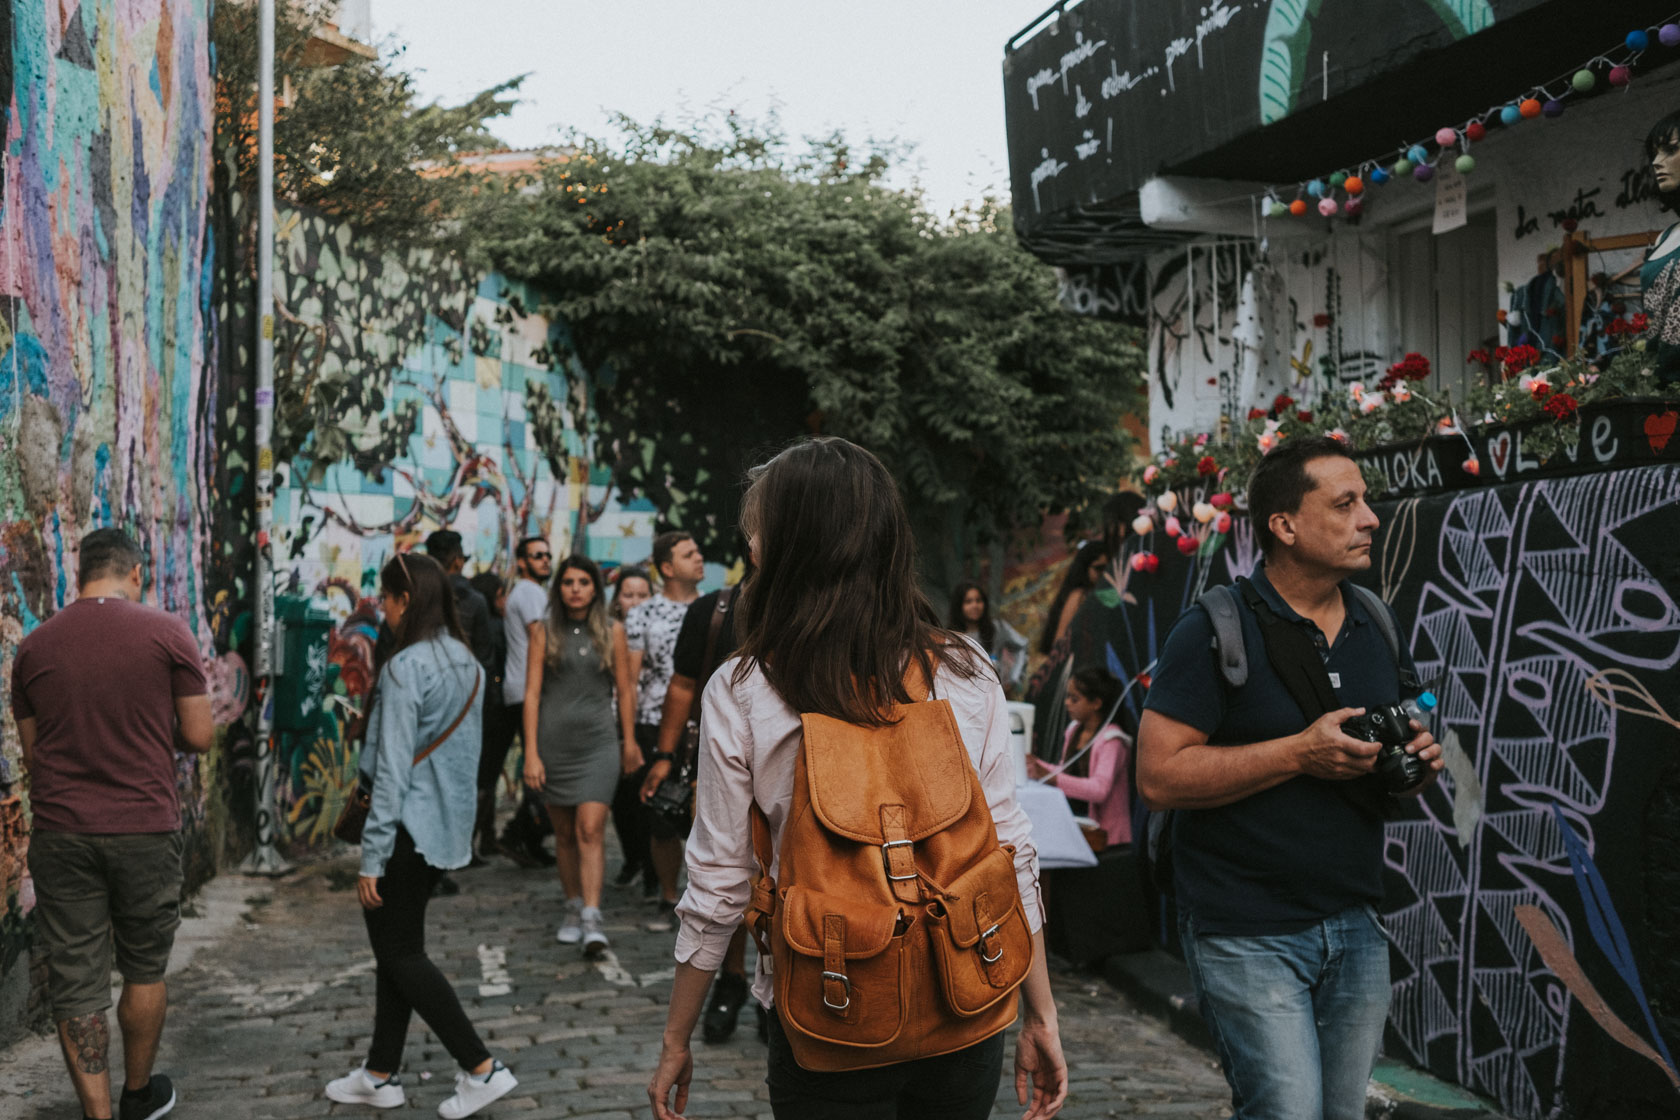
point(1277, 830)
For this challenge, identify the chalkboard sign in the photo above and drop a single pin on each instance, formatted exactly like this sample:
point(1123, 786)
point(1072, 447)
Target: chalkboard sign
point(1113, 92)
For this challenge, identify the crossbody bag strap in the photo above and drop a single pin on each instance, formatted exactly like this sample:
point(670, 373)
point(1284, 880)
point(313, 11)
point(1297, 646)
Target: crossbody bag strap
point(720, 610)
point(684, 758)
point(439, 741)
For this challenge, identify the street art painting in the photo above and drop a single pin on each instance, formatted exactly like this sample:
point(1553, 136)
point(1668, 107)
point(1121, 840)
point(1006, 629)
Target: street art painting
point(1230, 327)
point(103, 338)
point(412, 396)
point(1532, 892)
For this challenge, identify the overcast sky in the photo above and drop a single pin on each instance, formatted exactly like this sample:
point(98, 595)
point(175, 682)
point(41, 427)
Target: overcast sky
point(923, 71)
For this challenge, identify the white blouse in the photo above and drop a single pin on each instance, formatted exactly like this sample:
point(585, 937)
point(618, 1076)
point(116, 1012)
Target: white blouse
point(749, 743)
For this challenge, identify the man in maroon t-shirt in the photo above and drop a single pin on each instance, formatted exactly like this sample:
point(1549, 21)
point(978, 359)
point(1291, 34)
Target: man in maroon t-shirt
point(104, 693)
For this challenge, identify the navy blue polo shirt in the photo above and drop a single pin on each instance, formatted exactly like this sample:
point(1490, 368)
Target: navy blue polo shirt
point(1287, 857)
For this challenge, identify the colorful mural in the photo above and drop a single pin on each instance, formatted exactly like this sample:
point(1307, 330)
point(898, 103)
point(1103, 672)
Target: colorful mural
point(1531, 892)
point(412, 396)
point(104, 336)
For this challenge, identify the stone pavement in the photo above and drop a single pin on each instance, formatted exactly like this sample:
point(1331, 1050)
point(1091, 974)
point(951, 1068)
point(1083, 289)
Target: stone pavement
point(281, 1000)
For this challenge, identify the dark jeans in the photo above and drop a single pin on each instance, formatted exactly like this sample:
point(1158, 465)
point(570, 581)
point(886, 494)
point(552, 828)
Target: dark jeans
point(629, 815)
point(406, 980)
point(959, 1086)
point(501, 724)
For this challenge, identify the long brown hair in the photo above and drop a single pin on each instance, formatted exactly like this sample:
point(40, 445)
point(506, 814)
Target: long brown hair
point(431, 601)
point(595, 619)
point(834, 614)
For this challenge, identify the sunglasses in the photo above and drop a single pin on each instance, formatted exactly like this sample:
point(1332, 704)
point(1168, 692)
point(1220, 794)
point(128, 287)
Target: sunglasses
point(539, 556)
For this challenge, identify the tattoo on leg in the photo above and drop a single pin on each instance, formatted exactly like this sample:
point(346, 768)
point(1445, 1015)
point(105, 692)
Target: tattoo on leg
point(87, 1041)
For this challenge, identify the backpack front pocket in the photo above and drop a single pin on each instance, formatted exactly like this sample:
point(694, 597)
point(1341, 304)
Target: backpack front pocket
point(841, 975)
point(981, 943)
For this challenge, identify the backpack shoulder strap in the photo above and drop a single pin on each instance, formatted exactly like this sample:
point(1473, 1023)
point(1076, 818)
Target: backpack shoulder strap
point(1221, 606)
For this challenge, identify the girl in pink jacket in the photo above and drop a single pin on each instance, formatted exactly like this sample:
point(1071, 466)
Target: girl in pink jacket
point(1100, 775)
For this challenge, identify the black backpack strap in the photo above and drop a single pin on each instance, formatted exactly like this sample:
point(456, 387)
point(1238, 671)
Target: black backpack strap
point(1384, 618)
point(1294, 657)
point(1221, 606)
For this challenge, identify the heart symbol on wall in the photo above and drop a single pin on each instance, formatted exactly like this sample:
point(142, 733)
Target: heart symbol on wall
point(1659, 427)
point(1499, 450)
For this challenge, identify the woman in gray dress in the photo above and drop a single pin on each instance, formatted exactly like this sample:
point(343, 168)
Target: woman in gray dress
point(573, 751)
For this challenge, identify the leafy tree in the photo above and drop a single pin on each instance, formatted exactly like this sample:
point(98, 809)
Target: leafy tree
point(353, 143)
point(731, 292)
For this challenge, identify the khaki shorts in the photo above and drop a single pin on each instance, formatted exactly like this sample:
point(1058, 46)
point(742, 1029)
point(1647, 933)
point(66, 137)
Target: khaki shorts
point(94, 894)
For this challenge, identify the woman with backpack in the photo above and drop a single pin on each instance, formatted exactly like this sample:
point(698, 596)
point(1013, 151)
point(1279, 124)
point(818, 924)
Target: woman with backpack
point(574, 752)
point(422, 756)
point(869, 749)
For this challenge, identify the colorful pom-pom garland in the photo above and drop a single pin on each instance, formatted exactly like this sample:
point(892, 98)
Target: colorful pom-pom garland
point(1415, 159)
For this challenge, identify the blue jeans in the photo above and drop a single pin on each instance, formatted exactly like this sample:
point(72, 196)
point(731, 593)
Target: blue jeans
point(1297, 1018)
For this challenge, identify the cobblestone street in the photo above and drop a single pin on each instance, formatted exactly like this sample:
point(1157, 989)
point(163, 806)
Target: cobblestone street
point(281, 1000)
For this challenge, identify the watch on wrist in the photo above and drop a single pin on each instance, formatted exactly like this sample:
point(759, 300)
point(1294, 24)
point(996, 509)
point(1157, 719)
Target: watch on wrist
point(662, 756)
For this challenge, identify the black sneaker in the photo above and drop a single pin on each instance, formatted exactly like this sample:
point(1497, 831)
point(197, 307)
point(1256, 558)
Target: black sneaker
point(157, 1098)
point(627, 874)
point(729, 995)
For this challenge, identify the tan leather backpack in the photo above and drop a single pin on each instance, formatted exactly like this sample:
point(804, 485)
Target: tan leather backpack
point(895, 929)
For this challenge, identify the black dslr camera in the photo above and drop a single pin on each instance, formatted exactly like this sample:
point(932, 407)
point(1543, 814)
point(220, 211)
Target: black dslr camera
point(1390, 727)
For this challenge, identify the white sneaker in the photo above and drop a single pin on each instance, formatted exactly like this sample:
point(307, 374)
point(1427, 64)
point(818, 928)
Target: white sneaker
point(356, 1087)
point(594, 941)
point(473, 1092)
point(571, 928)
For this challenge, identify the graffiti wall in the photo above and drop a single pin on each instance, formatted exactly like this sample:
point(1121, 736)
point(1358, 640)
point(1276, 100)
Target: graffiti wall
point(1532, 892)
point(1231, 326)
point(103, 340)
point(426, 398)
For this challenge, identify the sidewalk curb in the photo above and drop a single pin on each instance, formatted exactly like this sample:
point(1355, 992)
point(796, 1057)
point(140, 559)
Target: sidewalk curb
point(1158, 983)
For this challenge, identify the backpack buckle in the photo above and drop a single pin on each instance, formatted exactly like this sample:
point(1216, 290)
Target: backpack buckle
point(845, 982)
point(983, 939)
point(886, 859)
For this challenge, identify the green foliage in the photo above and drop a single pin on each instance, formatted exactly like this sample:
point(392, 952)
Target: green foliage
point(352, 146)
point(351, 140)
point(731, 291)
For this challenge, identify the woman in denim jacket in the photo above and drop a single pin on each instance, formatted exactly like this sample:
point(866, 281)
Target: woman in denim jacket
point(419, 826)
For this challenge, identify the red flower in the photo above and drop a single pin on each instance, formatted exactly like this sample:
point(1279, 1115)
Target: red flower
point(1479, 357)
point(1561, 407)
point(1321, 320)
point(1304, 416)
point(1539, 389)
point(1618, 327)
point(1256, 414)
point(1283, 403)
point(1413, 367)
point(1641, 322)
point(1206, 466)
point(1513, 360)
